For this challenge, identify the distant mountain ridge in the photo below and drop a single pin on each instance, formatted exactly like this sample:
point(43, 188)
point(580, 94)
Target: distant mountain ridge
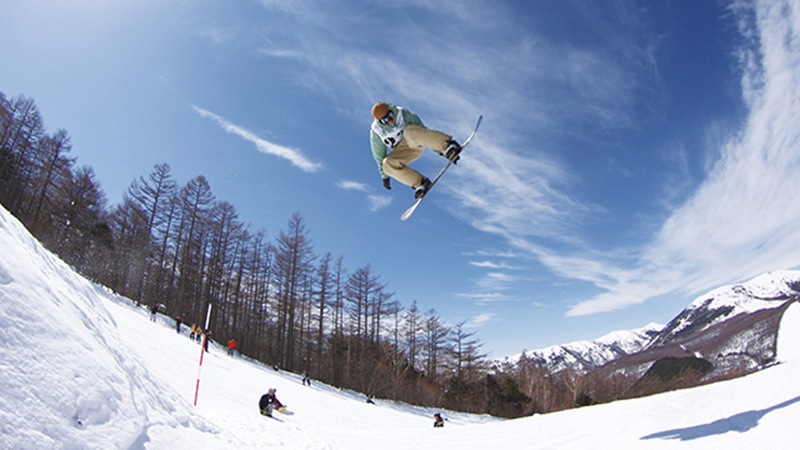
point(584, 356)
point(734, 328)
point(765, 291)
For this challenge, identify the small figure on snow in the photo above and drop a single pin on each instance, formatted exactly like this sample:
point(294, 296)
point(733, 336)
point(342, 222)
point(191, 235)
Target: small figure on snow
point(178, 324)
point(205, 341)
point(231, 347)
point(438, 421)
point(268, 402)
point(194, 332)
point(153, 311)
point(306, 379)
point(402, 134)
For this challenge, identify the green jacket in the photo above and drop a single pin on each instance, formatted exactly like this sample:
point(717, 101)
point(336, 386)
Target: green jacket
point(384, 137)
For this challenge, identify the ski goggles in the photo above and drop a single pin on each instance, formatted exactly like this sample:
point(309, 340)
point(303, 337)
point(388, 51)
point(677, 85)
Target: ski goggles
point(388, 119)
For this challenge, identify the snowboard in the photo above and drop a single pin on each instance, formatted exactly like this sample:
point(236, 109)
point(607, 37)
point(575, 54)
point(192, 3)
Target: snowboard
point(271, 417)
point(414, 207)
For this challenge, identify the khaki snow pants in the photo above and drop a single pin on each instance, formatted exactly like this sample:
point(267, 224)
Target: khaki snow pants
point(415, 139)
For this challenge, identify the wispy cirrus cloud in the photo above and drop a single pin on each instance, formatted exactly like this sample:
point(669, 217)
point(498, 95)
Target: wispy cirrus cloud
point(379, 202)
point(352, 186)
point(480, 319)
point(376, 202)
point(293, 155)
point(490, 265)
point(744, 219)
point(484, 297)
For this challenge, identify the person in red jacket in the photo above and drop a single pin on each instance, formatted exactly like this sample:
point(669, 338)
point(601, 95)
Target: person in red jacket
point(231, 347)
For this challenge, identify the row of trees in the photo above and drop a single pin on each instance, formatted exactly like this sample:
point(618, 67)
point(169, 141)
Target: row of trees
point(285, 303)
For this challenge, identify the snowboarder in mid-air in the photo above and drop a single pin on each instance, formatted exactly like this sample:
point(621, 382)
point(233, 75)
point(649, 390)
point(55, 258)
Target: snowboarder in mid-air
point(268, 402)
point(398, 138)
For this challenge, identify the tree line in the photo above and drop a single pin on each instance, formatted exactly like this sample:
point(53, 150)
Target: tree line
point(285, 303)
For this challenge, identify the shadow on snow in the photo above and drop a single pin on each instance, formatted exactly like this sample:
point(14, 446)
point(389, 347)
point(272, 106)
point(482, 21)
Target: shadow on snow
point(741, 422)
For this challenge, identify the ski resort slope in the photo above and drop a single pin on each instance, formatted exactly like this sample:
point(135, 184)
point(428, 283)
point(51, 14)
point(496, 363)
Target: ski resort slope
point(81, 368)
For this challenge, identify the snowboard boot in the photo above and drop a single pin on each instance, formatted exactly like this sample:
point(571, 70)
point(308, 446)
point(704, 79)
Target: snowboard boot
point(423, 187)
point(453, 151)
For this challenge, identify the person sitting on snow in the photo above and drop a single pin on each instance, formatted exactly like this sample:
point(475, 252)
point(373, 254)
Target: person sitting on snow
point(438, 421)
point(268, 402)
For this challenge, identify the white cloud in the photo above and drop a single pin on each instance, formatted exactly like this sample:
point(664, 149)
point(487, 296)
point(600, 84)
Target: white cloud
point(741, 220)
point(352, 186)
point(490, 265)
point(288, 54)
point(744, 219)
point(483, 298)
point(378, 202)
point(293, 155)
point(479, 320)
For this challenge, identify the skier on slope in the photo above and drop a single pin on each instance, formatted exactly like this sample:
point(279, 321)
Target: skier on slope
point(402, 133)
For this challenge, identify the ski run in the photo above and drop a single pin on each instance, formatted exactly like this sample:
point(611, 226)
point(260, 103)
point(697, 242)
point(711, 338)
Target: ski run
point(81, 368)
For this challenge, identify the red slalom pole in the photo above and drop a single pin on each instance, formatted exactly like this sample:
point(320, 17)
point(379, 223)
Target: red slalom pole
point(202, 351)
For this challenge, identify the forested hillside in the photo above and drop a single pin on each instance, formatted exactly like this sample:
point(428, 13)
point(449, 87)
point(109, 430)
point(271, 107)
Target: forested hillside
point(179, 248)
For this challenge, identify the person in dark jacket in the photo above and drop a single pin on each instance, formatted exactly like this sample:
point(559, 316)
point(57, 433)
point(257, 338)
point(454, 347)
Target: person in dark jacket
point(268, 402)
point(438, 421)
point(208, 338)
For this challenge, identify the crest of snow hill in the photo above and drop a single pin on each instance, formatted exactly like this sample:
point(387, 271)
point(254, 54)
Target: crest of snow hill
point(728, 332)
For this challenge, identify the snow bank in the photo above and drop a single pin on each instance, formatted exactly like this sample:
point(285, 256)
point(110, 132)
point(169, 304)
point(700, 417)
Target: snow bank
point(65, 378)
point(788, 348)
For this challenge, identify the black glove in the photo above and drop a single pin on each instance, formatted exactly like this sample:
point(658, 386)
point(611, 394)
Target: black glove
point(387, 184)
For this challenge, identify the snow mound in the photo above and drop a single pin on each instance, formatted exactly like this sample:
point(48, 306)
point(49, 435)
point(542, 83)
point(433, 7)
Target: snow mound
point(789, 335)
point(62, 361)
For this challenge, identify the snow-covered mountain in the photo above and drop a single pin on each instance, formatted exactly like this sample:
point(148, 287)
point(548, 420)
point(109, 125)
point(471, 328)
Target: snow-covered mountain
point(586, 355)
point(728, 332)
point(766, 291)
point(733, 327)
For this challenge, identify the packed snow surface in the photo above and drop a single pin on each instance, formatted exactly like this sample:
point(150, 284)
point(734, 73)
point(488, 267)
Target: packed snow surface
point(81, 368)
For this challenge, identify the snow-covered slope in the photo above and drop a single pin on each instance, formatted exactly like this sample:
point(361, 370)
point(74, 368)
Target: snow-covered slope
point(81, 368)
point(583, 356)
point(67, 379)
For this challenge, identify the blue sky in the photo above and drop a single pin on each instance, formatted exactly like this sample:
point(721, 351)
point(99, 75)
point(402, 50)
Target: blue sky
point(633, 155)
